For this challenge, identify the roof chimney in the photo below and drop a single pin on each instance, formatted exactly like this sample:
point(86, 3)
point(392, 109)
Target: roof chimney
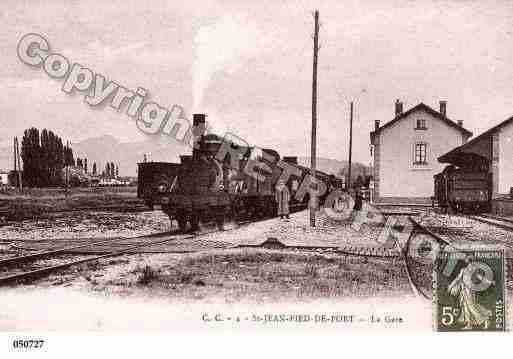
point(398, 107)
point(376, 125)
point(443, 108)
point(460, 123)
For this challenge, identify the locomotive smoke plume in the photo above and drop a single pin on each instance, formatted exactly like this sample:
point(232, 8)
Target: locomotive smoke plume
point(223, 46)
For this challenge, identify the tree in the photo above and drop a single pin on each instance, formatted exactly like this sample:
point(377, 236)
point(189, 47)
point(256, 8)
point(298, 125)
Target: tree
point(52, 158)
point(107, 170)
point(31, 154)
point(43, 158)
point(117, 171)
point(68, 156)
point(56, 175)
point(112, 170)
point(85, 165)
point(94, 168)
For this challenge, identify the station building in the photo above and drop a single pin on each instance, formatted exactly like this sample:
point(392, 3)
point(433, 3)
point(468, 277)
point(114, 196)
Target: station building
point(405, 152)
point(491, 151)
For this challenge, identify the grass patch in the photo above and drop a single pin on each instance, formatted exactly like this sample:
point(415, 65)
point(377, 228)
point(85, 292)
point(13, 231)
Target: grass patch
point(145, 275)
point(269, 275)
point(311, 271)
point(31, 203)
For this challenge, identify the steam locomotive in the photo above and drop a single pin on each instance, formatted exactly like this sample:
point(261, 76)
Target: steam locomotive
point(463, 189)
point(205, 187)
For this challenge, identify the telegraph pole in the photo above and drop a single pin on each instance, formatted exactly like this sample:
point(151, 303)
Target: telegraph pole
point(313, 155)
point(14, 154)
point(350, 146)
point(17, 162)
point(67, 169)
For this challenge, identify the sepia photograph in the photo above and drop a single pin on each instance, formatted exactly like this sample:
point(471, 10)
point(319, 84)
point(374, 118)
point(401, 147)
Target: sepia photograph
point(203, 166)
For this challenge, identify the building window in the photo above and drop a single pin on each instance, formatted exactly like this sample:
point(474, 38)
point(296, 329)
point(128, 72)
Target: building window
point(420, 153)
point(421, 124)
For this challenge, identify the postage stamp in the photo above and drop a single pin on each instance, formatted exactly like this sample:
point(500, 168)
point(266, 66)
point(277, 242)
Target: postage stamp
point(469, 290)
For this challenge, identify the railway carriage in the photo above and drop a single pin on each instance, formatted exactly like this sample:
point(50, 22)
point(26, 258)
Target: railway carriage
point(463, 190)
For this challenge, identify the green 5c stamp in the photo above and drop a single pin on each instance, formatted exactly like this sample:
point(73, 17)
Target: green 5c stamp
point(469, 290)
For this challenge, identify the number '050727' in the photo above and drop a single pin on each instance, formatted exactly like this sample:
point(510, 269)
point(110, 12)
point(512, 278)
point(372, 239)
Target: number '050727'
point(28, 343)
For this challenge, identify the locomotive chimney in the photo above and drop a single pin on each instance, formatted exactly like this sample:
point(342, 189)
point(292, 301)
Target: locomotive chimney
point(443, 108)
point(398, 107)
point(198, 121)
point(376, 125)
point(198, 130)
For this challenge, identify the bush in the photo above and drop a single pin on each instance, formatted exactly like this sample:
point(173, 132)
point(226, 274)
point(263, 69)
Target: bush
point(146, 275)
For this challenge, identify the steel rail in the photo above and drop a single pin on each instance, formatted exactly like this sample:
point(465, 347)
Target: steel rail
point(506, 225)
point(40, 272)
point(427, 231)
point(43, 254)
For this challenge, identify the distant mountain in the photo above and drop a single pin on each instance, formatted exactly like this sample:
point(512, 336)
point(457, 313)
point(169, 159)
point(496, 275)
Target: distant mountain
point(107, 148)
point(336, 167)
point(127, 154)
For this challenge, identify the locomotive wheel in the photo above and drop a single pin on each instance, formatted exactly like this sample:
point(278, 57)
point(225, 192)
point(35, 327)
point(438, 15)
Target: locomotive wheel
point(220, 217)
point(449, 209)
point(194, 222)
point(238, 209)
point(182, 223)
point(169, 214)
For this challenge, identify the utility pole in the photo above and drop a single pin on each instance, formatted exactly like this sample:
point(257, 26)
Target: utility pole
point(17, 163)
point(14, 154)
point(67, 169)
point(313, 155)
point(350, 146)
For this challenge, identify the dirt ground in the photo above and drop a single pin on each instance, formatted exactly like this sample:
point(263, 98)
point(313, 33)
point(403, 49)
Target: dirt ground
point(248, 277)
point(85, 224)
point(228, 275)
point(32, 203)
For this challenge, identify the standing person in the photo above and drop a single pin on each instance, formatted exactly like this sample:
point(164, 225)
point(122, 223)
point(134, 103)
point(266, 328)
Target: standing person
point(358, 199)
point(282, 197)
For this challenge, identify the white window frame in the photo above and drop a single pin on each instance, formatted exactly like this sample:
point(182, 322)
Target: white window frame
point(426, 153)
point(417, 124)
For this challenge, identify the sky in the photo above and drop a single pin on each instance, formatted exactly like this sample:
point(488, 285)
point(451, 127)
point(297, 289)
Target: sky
point(248, 64)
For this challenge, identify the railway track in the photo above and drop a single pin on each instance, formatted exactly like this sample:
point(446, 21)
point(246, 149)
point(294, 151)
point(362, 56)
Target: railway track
point(83, 251)
point(418, 277)
point(503, 223)
point(420, 273)
point(22, 275)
